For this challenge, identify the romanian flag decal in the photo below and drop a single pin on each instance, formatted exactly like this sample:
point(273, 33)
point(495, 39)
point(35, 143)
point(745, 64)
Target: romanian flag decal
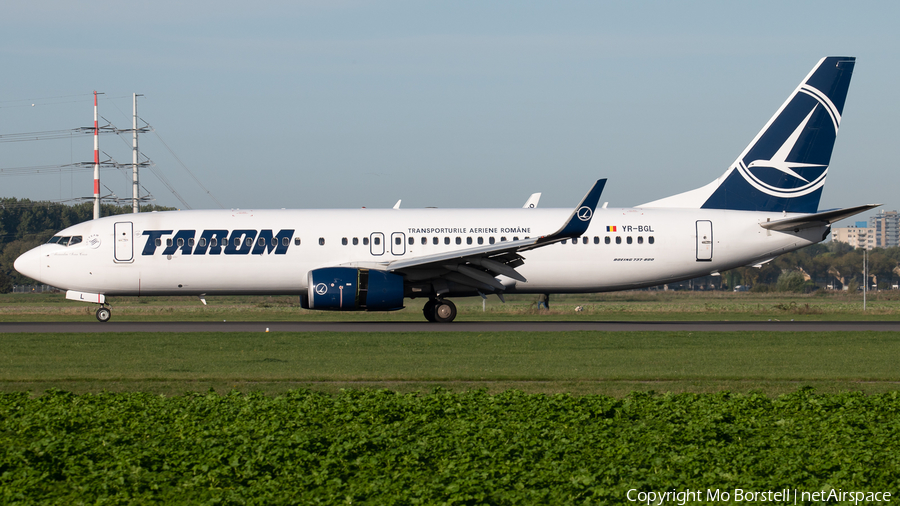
point(611, 229)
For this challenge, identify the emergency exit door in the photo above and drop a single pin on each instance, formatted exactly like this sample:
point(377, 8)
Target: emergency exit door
point(704, 241)
point(123, 236)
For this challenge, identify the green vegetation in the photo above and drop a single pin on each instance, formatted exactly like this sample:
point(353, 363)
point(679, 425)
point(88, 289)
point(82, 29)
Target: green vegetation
point(612, 363)
point(379, 447)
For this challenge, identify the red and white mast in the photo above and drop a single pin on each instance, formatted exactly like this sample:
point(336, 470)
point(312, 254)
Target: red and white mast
point(96, 161)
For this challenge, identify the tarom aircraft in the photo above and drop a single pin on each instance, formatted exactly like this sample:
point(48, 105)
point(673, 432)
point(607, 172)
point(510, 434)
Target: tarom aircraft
point(764, 205)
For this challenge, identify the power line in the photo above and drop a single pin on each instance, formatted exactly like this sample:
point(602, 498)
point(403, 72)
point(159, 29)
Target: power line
point(85, 166)
point(186, 169)
point(54, 134)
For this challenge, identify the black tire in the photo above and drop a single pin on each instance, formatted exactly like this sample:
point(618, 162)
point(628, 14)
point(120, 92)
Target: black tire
point(428, 310)
point(104, 314)
point(444, 311)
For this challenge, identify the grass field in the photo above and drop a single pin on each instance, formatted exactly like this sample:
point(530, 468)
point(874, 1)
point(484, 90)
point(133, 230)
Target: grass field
point(446, 417)
point(613, 363)
point(620, 306)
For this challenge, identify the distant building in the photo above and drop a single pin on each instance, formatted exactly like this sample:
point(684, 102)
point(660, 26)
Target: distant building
point(856, 236)
point(887, 228)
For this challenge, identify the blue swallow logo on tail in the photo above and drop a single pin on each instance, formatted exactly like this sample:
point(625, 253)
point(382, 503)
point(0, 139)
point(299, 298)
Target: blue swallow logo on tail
point(785, 165)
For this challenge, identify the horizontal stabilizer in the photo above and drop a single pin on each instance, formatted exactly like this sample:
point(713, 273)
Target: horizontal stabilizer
point(816, 219)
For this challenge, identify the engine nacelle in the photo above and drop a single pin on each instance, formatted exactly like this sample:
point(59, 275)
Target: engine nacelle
point(349, 289)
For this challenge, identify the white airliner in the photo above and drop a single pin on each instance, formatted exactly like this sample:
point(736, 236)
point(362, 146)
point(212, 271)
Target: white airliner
point(764, 205)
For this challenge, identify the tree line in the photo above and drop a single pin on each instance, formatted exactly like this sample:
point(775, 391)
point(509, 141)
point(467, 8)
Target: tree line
point(25, 224)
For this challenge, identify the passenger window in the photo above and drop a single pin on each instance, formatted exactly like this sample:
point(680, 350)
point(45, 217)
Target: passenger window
point(650, 239)
point(606, 240)
point(191, 242)
point(344, 241)
point(628, 239)
point(481, 240)
point(491, 240)
point(515, 238)
point(237, 241)
point(584, 240)
point(434, 240)
point(468, 240)
point(169, 242)
point(285, 241)
point(212, 242)
point(248, 241)
point(356, 241)
point(446, 240)
point(377, 241)
point(424, 241)
point(296, 241)
point(596, 240)
point(618, 239)
point(411, 241)
point(180, 242)
point(502, 239)
point(565, 241)
point(398, 241)
point(365, 241)
point(202, 242)
point(459, 240)
point(321, 241)
point(640, 240)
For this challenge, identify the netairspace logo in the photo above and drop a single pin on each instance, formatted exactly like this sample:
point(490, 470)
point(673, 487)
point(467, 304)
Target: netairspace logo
point(783, 496)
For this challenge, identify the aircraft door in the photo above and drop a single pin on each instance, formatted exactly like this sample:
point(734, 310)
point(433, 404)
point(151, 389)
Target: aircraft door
point(704, 241)
point(123, 237)
point(376, 243)
point(398, 246)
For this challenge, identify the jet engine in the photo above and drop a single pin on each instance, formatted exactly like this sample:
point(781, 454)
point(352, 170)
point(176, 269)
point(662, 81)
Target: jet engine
point(349, 289)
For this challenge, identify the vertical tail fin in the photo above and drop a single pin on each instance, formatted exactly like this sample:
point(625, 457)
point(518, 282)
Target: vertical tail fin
point(784, 167)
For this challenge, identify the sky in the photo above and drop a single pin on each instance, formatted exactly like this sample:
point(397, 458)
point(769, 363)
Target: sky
point(343, 104)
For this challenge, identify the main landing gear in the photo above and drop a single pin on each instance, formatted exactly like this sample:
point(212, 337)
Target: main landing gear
point(439, 311)
point(104, 314)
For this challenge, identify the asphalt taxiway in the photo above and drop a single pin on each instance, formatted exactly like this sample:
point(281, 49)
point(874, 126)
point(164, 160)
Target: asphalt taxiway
point(463, 326)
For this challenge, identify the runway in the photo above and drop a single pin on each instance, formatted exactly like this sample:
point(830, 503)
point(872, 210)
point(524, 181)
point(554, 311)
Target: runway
point(493, 326)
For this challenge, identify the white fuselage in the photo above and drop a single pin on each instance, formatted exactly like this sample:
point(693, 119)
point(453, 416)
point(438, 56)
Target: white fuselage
point(646, 247)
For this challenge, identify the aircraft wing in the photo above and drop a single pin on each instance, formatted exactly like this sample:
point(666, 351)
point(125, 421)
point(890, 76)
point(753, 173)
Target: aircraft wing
point(815, 219)
point(478, 266)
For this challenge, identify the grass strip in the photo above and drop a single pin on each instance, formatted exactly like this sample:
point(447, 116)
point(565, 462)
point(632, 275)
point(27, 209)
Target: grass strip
point(586, 362)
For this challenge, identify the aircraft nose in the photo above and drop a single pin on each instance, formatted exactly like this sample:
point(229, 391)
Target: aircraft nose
point(29, 264)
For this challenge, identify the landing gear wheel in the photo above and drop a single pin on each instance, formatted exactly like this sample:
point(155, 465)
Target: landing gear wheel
point(104, 314)
point(444, 311)
point(428, 310)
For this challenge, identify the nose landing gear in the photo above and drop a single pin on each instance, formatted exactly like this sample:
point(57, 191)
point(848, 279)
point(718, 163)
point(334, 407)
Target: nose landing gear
point(104, 314)
point(439, 311)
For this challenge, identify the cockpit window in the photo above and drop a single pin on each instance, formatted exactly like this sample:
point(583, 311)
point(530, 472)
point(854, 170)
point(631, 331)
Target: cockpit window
point(65, 241)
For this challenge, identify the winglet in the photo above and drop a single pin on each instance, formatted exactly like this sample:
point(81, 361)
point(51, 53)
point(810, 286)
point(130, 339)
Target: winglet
point(532, 201)
point(580, 219)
